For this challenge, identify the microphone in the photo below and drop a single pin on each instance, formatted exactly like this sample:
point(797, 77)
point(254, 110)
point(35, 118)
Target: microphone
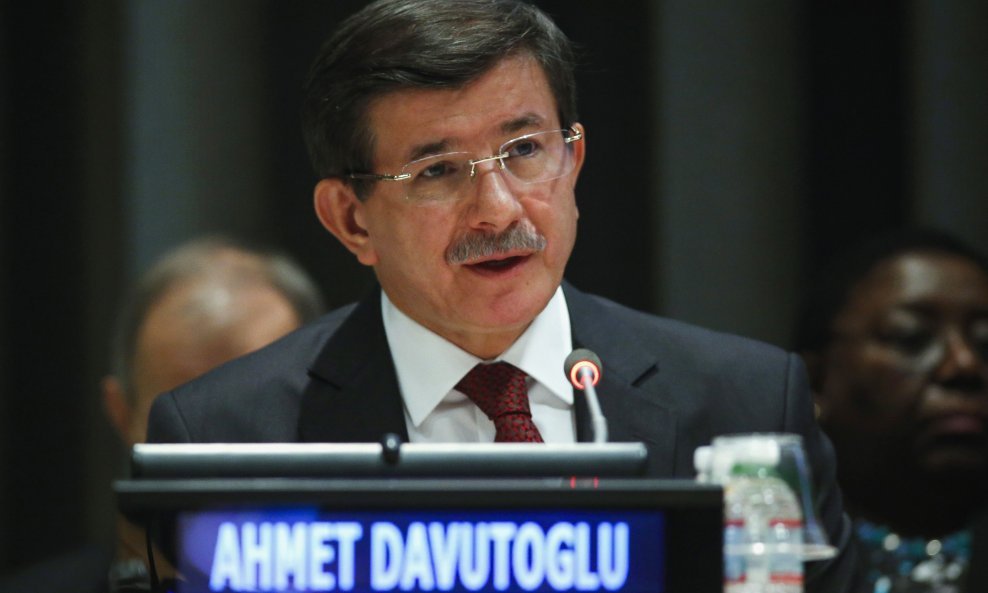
point(583, 369)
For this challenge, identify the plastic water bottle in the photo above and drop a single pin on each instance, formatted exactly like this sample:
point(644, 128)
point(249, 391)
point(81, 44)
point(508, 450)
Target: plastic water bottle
point(772, 519)
point(762, 518)
point(736, 544)
point(735, 532)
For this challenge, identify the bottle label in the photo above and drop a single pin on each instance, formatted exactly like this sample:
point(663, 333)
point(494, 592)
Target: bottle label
point(735, 566)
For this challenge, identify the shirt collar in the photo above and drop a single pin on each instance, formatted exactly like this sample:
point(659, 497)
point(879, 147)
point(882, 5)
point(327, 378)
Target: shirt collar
point(428, 366)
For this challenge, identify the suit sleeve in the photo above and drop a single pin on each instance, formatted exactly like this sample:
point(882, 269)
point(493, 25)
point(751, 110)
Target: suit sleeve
point(840, 573)
point(166, 423)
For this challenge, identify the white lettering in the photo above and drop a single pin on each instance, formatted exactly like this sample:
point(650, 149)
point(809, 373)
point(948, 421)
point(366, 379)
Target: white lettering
point(612, 554)
point(387, 549)
point(225, 572)
point(501, 534)
point(418, 564)
point(320, 554)
point(586, 579)
point(528, 556)
point(255, 555)
point(559, 568)
point(443, 544)
point(289, 556)
point(347, 534)
point(475, 556)
point(499, 555)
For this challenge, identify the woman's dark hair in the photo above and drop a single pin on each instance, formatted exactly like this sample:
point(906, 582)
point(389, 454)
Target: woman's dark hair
point(392, 45)
point(829, 292)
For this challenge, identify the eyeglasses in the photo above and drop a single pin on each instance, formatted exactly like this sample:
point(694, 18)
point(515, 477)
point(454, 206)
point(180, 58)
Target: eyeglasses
point(532, 158)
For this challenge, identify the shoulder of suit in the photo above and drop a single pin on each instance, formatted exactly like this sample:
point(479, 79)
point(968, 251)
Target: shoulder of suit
point(287, 358)
point(672, 338)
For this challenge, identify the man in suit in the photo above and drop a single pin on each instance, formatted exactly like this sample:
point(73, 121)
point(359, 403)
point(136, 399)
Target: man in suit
point(201, 304)
point(446, 140)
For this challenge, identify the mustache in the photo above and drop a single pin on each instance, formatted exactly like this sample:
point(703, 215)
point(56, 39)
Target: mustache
point(517, 237)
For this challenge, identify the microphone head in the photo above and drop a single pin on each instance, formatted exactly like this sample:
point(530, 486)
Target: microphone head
point(577, 361)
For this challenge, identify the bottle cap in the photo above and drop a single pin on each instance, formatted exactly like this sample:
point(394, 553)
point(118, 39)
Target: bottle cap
point(761, 451)
point(702, 457)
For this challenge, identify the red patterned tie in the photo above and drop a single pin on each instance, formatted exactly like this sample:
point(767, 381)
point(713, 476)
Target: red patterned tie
point(499, 390)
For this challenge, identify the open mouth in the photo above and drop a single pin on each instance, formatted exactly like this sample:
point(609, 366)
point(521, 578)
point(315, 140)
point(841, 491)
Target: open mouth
point(498, 265)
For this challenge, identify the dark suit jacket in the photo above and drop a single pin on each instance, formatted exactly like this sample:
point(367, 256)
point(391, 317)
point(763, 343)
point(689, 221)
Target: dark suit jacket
point(669, 385)
point(81, 570)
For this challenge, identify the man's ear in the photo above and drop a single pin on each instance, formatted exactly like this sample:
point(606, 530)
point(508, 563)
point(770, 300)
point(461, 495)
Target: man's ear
point(579, 151)
point(343, 214)
point(117, 406)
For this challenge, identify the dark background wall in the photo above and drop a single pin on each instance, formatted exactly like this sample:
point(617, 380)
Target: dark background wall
point(731, 148)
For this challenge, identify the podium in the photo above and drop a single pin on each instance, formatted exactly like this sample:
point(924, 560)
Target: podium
point(424, 518)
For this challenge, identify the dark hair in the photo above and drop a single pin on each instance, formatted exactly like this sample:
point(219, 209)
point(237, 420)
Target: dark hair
point(829, 292)
point(392, 45)
point(204, 258)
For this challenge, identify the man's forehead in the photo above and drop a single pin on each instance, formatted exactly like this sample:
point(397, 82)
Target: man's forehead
point(517, 125)
point(512, 98)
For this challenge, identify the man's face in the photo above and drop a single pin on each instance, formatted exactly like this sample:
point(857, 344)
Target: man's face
point(482, 304)
point(907, 370)
point(195, 327)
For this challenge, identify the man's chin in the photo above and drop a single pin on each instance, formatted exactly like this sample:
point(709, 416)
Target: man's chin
point(498, 322)
point(516, 301)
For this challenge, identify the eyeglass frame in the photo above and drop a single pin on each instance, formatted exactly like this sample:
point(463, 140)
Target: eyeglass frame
point(575, 136)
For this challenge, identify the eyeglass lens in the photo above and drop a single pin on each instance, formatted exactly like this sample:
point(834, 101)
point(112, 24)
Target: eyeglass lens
point(534, 158)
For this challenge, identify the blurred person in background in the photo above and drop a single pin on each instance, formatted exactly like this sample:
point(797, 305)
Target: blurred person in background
point(895, 336)
point(206, 302)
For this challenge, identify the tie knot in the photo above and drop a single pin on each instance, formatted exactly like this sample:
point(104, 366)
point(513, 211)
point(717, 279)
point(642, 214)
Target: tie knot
point(501, 392)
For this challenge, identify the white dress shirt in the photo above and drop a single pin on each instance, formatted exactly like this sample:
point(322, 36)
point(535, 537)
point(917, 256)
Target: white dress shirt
point(429, 366)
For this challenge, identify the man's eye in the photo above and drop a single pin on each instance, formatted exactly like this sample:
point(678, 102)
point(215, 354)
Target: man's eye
point(526, 148)
point(437, 170)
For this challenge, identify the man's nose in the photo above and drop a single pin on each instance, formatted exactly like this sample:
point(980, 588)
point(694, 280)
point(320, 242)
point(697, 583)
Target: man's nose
point(494, 206)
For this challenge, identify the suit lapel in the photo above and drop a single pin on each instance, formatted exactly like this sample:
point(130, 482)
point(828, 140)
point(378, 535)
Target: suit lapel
point(353, 395)
point(634, 412)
